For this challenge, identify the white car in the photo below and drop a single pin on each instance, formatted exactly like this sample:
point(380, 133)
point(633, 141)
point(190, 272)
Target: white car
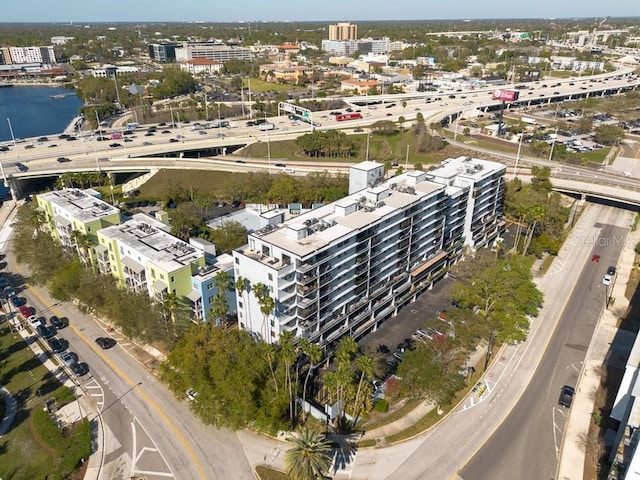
point(289, 170)
point(606, 280)
point(34, 321)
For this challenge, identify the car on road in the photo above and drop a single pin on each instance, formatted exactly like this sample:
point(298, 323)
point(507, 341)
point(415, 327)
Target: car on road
point(289, 170)
point(79, 369)
point(105, 342)
point(115, 145)
point(58, 323)
point(146, 144)
point(17, 301)
point(68, 358)
point(173, 140)
point(43, 139)
point(240, 161)
point(21, 166)
point(611, 270)
point(53, 145)
point(281, 165)
point(34, 321)
point(595, 258)
point(57, 345)
point(566, 396)
point(606, 280)
point(45, 332)
point(63, 159)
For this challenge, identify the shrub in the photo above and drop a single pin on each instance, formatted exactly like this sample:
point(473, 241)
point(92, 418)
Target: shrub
point(381, 406)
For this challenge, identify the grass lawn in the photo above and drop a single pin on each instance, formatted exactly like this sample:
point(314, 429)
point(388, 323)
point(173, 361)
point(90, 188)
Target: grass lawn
point(596, 156)
point(166, 183)
point(27, 451)
point(268, 473)
point(259, 86)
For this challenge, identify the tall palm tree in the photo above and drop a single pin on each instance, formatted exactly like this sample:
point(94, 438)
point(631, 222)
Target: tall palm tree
point(314, 354)
point(242, 286)
point(366, 366)
point(288, 356)
point(220, 306)
point(267, 304)
point(309, 457)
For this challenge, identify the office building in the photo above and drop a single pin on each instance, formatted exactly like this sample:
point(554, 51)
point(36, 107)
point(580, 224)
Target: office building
point(343, 31)
point(211, 51)
point(163, 52)
point(32, 55)
point(343, 268)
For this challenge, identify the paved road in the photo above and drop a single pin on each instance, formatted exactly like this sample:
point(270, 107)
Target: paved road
point(443, 451)
point(537, 422)
point(147, 431)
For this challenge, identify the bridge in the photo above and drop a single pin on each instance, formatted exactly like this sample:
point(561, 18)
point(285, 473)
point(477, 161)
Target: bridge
point(182, 148)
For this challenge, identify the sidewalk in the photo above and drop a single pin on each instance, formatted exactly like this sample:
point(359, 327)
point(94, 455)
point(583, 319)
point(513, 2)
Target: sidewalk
point(572, 452)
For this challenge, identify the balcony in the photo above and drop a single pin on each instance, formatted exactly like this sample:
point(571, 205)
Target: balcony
point(305, 279)
point(308, 301)
point(305, 267)
point(305, 313)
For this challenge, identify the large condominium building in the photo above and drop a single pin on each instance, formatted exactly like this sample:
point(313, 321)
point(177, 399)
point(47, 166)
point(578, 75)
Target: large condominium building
point(145, 257)
point(76, 210)
point(32, 55)
point(343, 31)
point(343, 268)
point(212, 51)
point(364, 45)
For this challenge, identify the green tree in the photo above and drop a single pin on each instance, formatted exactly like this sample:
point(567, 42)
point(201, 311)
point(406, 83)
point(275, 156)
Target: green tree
point(242, 286)
point(220, 304)
point(366, 366)
point(228, 236)
point(313, 352)
point(267, 304)
point(309, 458)
point(608, 134)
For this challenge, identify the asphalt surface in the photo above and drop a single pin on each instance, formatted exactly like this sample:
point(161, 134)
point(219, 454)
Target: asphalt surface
point(534, 427)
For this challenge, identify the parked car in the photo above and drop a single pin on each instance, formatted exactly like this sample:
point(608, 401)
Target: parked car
point(17, 301)
point(45, 332)
point(58, 323)
point(68, 359)
point(34, 321)
point(606, 280)
point(611, 270)
point(8, 290)
point(21, 166)
point(566, 396)
point(105, 342)
point(63, 159)
point(25, 311)
point(57, 345)
point(79, 369)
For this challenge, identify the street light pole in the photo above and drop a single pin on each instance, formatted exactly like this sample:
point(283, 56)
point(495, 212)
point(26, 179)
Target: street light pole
point(13, 139)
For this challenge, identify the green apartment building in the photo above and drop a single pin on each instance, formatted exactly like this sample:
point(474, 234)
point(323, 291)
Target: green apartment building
point(73, 210)
point(144, 256)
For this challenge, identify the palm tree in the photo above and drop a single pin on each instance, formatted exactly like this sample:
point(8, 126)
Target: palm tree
point(314, 354)
point(366, 366)
point(219, 306)
point(267, 304)
point(242, 285)
point(288, 356)
point(82, 243)
point(309, 457)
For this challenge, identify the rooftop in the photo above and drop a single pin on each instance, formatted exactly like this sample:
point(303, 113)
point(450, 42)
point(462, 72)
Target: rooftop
point(147, 237)
point(304, 234)
point(83, 205)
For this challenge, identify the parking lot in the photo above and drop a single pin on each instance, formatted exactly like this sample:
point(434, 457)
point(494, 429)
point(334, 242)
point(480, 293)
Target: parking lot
point(395, 330)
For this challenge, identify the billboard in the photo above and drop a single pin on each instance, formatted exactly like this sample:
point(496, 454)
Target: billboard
point(506, 95)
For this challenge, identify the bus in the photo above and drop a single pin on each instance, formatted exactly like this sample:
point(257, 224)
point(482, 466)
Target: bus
point(348, 116)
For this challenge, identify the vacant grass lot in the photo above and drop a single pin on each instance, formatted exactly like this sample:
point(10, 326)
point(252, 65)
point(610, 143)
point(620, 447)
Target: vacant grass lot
point(32, 449)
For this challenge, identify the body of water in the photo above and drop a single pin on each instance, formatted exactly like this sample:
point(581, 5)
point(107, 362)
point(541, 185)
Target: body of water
point(33, 112)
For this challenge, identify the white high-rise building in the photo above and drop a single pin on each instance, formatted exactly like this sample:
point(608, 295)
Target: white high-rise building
point(343, 268)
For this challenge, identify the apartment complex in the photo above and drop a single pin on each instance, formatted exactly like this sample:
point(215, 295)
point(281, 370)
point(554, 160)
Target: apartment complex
point(145, 257)
point(24, 55)
point(343, 31)
point(139, 251)
point(363, 46)
point(343, 268)
point(82, 211)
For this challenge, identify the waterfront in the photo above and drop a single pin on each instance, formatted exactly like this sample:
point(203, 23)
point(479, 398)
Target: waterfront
point(33, 111)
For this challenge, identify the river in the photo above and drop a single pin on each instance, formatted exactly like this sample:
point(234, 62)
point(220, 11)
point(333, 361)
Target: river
point(31, 111)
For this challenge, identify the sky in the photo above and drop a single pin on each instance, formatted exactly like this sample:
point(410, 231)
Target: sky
point(78, 11)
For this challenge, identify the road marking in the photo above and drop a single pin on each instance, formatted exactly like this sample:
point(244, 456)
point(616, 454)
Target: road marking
point(127, 380)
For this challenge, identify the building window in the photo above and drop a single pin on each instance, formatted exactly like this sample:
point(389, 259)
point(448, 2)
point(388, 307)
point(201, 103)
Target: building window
point(237, 261)
point(270, 277)
point(173, 279)
point(265, 250)
point(210, 286)
point(211, 299)
point(242, 325)
point(174, 291)
point(273, 323)
point(286, 260)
